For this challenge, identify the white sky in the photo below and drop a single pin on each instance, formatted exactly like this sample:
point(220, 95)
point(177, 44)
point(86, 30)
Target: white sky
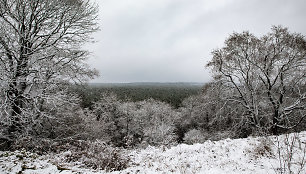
point(171, 40)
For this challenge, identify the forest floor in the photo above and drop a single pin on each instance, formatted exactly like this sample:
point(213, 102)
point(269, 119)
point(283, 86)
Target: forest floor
point(261, 155)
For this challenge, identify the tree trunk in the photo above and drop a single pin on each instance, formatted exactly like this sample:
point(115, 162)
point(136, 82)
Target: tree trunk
point(19, 85)
point(16, 127)
point(274, 129)
point(16, 111)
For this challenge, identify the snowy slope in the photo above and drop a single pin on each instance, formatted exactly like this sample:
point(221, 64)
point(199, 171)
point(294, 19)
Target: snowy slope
point(226, 156)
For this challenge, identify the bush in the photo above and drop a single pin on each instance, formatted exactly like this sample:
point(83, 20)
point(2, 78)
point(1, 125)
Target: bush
point(35, 144)
point(220, 135)
point(194, 136)
point(97, 155)
point(162, 134)
point(263, 149)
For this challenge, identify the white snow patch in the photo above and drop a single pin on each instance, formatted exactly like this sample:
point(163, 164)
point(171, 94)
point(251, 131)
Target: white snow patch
point(213, 157)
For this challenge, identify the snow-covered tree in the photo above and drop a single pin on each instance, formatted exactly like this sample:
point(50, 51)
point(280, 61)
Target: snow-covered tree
point(126, 123)
point(157, 120)
point(40, 52)
point(266, 76)
point(211, 114)
point(111, 118)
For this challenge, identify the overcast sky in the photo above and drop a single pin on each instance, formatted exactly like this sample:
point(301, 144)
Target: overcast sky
point(171, 40)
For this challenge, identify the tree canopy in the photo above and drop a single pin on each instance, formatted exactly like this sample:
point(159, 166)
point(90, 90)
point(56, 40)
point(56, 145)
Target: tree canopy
point(265, 75)
point(40, 50)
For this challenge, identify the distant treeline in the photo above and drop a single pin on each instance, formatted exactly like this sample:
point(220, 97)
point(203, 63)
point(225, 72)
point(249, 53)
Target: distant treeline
point(172, 93)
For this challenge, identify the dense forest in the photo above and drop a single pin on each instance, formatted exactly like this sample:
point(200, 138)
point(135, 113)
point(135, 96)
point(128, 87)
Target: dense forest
point(171, 93)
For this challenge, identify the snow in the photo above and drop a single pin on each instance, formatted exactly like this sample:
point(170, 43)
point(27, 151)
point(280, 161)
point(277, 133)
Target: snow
point(225, 156)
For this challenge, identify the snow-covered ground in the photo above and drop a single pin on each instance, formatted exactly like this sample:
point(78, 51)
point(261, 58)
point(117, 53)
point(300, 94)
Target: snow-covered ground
point(249, 155)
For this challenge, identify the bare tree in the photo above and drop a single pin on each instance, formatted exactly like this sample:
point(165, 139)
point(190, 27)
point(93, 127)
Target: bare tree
point(40, 51)
point(265, 75)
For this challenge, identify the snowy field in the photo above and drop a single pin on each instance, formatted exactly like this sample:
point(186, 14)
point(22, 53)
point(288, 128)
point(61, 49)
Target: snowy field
point(249, 155)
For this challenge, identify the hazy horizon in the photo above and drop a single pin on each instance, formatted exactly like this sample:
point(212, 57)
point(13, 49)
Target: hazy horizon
point(148, 82)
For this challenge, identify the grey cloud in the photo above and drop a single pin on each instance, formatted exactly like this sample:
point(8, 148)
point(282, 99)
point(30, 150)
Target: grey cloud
point(171, 40)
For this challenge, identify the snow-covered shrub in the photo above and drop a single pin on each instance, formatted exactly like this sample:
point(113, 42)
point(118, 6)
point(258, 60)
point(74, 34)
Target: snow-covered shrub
point(127, 124)
point(156, 120)
point(95, 128)
point(162, 134)
point(113, 122)
point(220, 135)
point(208, 111)
point(35, 144)
point(59, 118)
point(194, 136)
point(264, 148)
point(97, 155)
